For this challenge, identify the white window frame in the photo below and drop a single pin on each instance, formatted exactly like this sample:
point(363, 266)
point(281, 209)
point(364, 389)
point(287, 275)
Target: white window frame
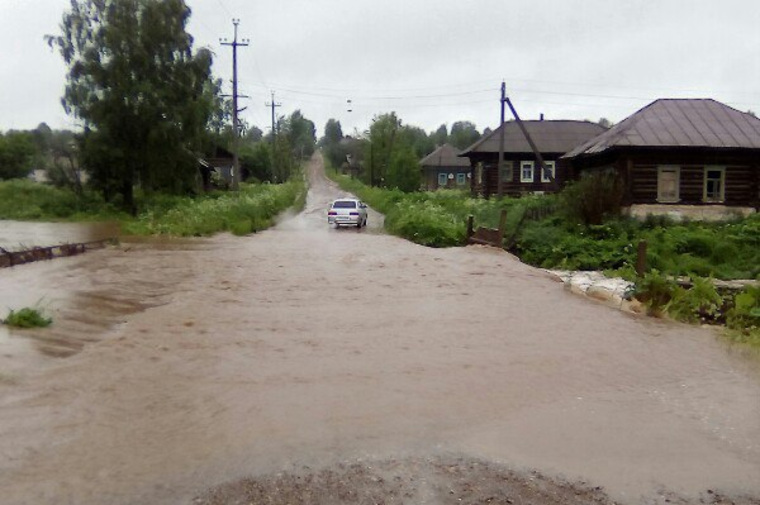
point(669, 168)
point(552, 168)
point(443, 176)
point(722, 196)
point(507, 172)
point(525, 164)
point(461, 179)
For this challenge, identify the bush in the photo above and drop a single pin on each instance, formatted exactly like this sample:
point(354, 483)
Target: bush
point(27, 318)
point(744, 317)
point(655, 291)
point(592, 199)
point(425, 223)
point(700, 303)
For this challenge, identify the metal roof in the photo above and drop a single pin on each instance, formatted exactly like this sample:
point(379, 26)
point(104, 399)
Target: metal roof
point(445, 156)
point(551, 136)
point(682, 122)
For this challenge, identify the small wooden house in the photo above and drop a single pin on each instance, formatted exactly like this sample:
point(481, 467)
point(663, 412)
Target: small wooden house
point(443, 168)
point(520, 174)
point(220, 162)
point(694, 158)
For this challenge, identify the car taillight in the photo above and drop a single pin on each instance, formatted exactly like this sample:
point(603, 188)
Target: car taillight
point(332, 213)
point(354, 213)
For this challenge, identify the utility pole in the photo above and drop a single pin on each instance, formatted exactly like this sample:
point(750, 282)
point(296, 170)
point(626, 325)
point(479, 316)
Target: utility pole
point(274, 106)
point(499, 189)
point(235, 125)
point(536, 152)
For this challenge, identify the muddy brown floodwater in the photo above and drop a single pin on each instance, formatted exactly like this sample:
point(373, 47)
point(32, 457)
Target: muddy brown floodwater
point(176, 367)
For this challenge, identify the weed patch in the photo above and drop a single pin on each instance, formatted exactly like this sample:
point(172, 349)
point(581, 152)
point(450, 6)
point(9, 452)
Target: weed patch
point(27, 318)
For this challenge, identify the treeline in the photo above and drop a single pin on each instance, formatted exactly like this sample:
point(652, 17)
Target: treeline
point(387, 155)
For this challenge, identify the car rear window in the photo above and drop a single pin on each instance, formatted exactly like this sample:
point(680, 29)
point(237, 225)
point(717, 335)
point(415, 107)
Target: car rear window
point(344, 205)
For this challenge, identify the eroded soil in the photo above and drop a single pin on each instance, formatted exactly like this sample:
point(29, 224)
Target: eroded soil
point(337, 357)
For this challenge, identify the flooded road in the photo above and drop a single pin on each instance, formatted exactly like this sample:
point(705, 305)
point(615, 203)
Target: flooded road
point(174, 367)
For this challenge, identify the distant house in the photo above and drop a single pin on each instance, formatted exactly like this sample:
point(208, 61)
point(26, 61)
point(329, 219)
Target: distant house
point(443, 168)
point(685, 157)
point(220, 162)
point(520, 174)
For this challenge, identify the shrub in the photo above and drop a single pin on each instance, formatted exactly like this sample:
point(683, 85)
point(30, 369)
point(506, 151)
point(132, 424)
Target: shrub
point(596, 196)
point(745, 314)
point(700, 303)
point(27, 318)
point(655, 291)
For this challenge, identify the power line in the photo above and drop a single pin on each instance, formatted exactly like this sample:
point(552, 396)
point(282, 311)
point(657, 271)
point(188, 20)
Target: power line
point(224, 7)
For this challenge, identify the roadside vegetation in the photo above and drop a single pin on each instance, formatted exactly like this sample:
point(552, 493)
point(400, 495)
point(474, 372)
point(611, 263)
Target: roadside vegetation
point(249, 210)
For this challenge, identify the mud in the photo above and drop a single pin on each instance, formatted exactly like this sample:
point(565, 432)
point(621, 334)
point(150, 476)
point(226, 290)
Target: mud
point(192, 364)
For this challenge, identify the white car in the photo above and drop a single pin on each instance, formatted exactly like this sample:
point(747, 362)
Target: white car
point(347, 211)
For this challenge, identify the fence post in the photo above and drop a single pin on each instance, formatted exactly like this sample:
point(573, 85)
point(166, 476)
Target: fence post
point(470, 227)
point(641, 258)
point(502, 224)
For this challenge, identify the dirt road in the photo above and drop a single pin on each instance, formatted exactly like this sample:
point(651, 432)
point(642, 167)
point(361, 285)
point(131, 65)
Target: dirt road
point(176, 366)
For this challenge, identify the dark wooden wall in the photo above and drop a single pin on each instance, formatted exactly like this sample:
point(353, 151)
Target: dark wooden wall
point(639, 169)
point(514, 187)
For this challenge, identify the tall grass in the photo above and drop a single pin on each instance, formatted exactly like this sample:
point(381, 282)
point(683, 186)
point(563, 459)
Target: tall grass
point(251, 209)
point(27, 200)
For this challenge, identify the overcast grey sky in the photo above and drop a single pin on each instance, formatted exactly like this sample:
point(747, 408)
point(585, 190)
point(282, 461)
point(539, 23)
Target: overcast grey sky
point(432, 61)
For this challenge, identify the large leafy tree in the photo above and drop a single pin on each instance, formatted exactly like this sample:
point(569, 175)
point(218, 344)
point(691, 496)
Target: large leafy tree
point(17, 154)
point(144, 96)
point(332, 143)
point(440, 136)
point(463, 134)
point(302, 134)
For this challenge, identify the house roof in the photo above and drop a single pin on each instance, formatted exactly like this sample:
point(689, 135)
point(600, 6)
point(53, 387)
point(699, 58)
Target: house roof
point(555, 136)
point(444, 156)
point(679, 123)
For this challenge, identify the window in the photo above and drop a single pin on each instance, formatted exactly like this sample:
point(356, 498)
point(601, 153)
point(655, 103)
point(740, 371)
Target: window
point(442, 178)
point(506, 172)
point(668, 182)
point(344, 204)
point(526, 171)
point(715, 184)
point(550, 170)
point(461, 179)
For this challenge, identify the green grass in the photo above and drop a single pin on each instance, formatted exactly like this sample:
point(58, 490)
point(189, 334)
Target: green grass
point(251, 209)
point(27, 318)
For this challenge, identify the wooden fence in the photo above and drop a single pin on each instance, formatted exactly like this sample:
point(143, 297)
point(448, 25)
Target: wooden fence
point(495, 236)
